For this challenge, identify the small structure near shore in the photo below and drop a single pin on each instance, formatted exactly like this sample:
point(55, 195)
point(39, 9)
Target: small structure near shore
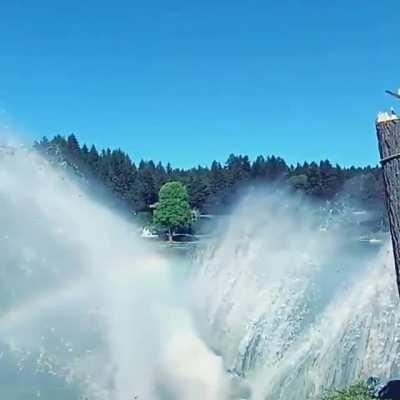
point(148, 233)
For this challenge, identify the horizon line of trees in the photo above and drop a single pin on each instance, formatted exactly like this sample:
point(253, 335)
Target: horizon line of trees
point(211, 189)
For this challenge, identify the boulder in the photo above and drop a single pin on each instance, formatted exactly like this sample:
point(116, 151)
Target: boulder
point(390, 391)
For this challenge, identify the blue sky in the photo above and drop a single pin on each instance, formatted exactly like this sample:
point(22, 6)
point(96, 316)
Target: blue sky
point(191, 81)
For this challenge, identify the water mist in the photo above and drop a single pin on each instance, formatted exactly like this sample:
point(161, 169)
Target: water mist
point(87, 309)
point(284, 301)
point(293, 302)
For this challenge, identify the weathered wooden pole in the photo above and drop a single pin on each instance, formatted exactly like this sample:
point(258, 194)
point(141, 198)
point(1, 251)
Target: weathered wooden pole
point(388, 131)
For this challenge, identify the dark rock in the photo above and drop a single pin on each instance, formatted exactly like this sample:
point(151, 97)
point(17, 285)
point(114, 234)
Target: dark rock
point(390, 391)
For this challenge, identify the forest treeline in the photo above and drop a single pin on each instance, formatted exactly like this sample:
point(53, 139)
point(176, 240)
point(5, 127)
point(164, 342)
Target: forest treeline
point(212, 189)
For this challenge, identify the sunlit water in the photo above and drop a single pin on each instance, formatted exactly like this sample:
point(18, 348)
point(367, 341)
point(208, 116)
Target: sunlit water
point(279, 304)
point(88, 308)
point(294, 309)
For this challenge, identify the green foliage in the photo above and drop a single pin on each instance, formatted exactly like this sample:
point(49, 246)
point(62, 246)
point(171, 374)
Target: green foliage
point(173, 209)
point(357, 391)
point(198, 192)
point(211, 189)
point(298, 182)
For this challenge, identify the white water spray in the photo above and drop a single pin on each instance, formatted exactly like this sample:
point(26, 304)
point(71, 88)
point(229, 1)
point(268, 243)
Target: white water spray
point(289, 308)
point(86, 302)
point(294, 308)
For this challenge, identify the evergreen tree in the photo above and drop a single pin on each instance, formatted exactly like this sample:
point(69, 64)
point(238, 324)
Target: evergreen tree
point(214, 188)
point(198, 192)
point(73, 146)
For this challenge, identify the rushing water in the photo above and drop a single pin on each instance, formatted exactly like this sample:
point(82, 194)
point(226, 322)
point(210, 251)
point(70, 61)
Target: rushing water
point(294, 309)
point(280, 304)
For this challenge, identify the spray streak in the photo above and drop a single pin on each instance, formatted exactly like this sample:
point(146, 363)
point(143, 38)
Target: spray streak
point(81, 290)
point(291, 307)
point(287, 305)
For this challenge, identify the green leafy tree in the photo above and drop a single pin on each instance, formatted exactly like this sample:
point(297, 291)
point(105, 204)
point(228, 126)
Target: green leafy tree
point(173, 209)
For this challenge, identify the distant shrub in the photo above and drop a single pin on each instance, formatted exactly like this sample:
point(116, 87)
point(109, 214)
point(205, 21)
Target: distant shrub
point(357, 391)
point(298, 182)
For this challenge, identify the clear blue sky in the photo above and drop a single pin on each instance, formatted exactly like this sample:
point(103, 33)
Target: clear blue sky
point(191, 81)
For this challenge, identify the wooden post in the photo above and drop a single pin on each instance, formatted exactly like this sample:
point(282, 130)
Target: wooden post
point(388, 131)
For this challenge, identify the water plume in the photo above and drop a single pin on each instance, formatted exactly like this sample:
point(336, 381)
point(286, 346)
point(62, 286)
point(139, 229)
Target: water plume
point(286, 296)
point(293, 302)
point(85, 303)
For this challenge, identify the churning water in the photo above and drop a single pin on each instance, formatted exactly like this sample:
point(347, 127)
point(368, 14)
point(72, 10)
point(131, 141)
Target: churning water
point(276, 307)
point(295, 309)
